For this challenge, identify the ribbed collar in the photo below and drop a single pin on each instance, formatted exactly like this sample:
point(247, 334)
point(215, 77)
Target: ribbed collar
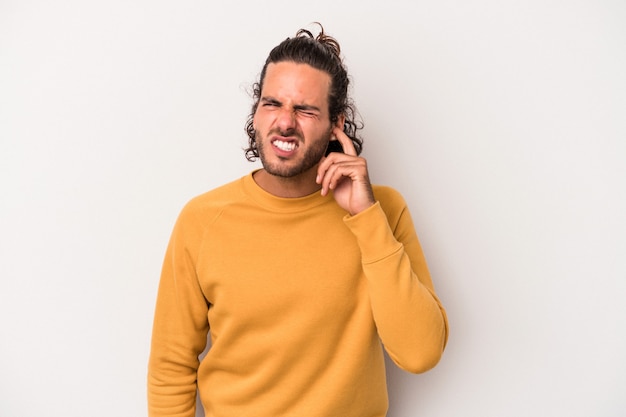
point(282, 204)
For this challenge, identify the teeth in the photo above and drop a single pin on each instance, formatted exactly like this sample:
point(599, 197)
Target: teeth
point(285, 146)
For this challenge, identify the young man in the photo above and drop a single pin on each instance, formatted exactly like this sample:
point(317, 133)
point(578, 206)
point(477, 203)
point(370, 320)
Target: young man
point(301, 270)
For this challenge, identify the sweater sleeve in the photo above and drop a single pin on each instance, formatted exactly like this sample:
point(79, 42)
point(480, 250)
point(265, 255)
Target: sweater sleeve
point(180, 326)
point(410, 319)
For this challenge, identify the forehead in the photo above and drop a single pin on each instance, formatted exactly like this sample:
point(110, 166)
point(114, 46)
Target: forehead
point(299, 83)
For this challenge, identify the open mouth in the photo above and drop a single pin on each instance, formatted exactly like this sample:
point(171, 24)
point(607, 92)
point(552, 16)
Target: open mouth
point(286, 146)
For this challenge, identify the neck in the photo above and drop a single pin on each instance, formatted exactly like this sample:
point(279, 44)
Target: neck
point(290, 187)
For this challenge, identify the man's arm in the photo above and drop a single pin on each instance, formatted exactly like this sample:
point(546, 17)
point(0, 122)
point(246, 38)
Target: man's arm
point(409, 317)
point(180, 327)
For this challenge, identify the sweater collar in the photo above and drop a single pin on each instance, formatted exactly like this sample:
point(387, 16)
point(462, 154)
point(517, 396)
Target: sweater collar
point(282, 204)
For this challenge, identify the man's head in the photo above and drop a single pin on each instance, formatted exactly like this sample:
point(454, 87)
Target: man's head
point(322, 53)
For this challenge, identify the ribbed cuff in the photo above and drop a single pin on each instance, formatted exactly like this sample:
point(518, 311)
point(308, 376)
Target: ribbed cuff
point(374, 236)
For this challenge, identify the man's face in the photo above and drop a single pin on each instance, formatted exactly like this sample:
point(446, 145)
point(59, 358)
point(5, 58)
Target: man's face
point(292, 123)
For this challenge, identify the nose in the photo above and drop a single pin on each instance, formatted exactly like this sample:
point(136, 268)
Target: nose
point(286, 120)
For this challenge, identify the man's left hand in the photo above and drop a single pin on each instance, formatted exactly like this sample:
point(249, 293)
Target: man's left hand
point(346, 175)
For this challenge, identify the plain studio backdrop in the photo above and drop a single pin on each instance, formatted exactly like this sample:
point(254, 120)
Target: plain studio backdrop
point(503, 123)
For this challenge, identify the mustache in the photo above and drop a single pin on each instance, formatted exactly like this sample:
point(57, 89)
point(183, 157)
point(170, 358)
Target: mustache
point(285, 133)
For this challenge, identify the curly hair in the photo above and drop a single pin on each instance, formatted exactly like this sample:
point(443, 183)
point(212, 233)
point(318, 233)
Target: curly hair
point(321, 52)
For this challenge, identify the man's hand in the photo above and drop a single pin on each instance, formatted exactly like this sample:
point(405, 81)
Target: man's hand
point(346, 175)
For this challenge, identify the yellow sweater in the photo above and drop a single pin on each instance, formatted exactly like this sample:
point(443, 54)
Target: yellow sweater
point(298, 296)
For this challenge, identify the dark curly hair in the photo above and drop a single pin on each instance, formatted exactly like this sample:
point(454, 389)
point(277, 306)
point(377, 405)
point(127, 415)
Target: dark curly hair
point(321, 52)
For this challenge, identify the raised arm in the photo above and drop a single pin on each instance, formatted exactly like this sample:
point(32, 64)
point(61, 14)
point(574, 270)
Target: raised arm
point(410, 319)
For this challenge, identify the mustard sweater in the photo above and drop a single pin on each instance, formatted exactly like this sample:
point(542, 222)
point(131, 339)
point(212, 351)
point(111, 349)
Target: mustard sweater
point(298, 297)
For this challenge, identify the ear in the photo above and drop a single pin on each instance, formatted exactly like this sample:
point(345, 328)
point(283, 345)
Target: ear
point(341, 119)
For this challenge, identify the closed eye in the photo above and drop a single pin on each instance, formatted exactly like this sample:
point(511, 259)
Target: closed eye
point(309, 111)
point(270, 103)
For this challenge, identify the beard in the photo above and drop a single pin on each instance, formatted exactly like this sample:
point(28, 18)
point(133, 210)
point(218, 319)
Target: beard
point(286, 168)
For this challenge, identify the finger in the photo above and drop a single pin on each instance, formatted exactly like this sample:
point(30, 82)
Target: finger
point(339, 172)
point(329, 177)
point(333, 174)
point(346, 142)
point(324, 174)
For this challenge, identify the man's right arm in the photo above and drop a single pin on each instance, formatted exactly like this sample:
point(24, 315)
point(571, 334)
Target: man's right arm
point(180, 327)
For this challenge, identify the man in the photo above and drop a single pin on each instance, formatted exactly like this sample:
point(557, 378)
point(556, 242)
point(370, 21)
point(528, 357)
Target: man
point(301, 270)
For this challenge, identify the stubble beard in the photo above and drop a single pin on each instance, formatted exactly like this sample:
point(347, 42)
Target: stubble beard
point(311, 158)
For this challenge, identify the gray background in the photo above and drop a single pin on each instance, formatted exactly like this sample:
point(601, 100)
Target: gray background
point(502, 123)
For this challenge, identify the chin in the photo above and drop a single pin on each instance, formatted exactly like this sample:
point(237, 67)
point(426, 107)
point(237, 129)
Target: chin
point(289, 168)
